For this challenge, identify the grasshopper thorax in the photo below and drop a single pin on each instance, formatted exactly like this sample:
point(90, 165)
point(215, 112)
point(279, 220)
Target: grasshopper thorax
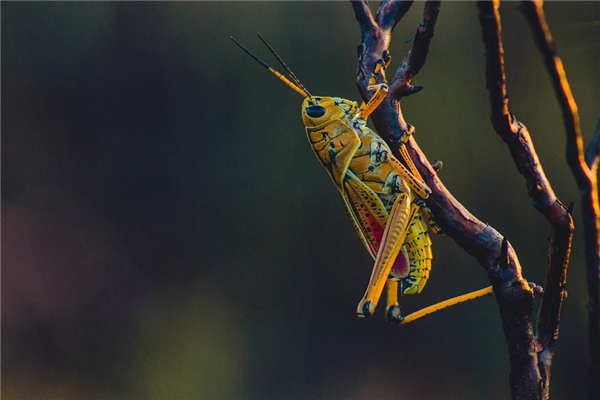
point(317, 110)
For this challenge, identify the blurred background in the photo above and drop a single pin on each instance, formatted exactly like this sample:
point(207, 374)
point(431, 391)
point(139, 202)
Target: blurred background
point(168, 233)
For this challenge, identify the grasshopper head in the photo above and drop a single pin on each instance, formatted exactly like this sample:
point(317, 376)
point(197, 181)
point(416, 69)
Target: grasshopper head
point(319, 110)
point(315, 110)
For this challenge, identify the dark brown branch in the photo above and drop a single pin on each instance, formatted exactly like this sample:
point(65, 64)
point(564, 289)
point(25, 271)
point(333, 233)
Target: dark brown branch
point(494, 66)
point(391, 12)
point(375, 40)
point(415, 59)
point(513, 294)
point(376, 33)
point(363, 15)
point(584, 168)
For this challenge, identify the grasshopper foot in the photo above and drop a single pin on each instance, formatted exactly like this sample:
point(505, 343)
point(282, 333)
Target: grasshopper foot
point(365, 308)
point(393, 314)
point(538, 289)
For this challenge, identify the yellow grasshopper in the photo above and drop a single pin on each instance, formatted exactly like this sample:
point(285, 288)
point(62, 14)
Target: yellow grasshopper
point(383, 197)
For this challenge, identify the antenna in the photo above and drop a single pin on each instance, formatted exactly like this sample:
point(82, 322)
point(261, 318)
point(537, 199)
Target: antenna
point(303, 93)
point(283, 64)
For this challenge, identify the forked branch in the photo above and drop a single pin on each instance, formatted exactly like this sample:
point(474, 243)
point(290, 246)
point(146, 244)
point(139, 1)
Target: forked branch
point(529, 358)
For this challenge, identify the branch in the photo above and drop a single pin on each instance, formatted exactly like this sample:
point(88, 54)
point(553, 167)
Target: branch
point(375, 40)
point(376, 33)
point(415, 58)
point(516, 136)
point(492, 250)
point(391, 12)
point(584, 168)
point(535, 14)
point(497, 256)
point(363, 15)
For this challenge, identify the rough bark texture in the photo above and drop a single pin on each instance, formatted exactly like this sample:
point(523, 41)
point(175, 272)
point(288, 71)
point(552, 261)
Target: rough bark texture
point(530, 355)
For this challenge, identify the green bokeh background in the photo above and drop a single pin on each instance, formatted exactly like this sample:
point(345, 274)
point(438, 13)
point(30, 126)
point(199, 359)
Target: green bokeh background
point(167, 231)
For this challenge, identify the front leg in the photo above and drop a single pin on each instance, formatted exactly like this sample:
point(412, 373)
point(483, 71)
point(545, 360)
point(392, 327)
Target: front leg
point(380, 93)
point(416, 184)
point(379, 89)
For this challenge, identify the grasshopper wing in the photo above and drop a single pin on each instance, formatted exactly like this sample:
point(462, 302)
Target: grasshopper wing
point(370, 218)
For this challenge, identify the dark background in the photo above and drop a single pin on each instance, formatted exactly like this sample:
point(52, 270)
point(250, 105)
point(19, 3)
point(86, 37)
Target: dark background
point(168, 233)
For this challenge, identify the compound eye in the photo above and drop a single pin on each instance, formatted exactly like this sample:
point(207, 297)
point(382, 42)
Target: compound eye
point(315, 111)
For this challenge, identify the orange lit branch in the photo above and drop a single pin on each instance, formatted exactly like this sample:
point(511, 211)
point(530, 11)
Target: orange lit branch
point(584, 166)
point(516, 136)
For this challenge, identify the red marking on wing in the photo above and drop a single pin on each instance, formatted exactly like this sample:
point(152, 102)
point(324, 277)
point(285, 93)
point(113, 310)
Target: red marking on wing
point(373, 230)
point(401, 267)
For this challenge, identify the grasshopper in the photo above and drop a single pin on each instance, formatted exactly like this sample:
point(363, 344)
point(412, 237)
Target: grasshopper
point(384, 199)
